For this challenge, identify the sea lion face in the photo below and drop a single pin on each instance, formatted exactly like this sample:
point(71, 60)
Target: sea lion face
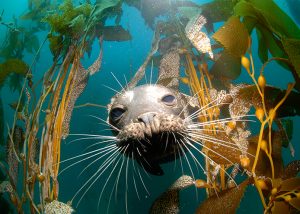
point(148, 122)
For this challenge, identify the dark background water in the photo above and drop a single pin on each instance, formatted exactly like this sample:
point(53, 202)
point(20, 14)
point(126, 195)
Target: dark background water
point(123, 59)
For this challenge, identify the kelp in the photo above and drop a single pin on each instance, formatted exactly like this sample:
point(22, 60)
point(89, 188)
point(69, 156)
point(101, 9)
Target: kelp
point(73, 30)
point(1, 122)
point(12, 66)
point(225, 202)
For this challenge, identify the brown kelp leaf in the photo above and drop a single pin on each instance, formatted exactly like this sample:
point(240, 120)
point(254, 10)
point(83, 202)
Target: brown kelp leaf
point(263, 167)
point(295, 202)
point(222, 150)
point(280, 207)
point(115, 33)
point(233, 36)
point(227, 66)
point(291, 170)
point(290, 184)
point(292, 48)
point(250, 95)
point(168, 202)
point(226, 201)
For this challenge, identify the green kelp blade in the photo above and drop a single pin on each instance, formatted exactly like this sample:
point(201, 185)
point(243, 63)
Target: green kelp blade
point(10, 66)
point(227, 66)
point(263, 51)
point(278, 20)
point(224, 8)
point(226, 201)
point(233, 36)
point(292, 48)
point(100, 6)
point(116, 33)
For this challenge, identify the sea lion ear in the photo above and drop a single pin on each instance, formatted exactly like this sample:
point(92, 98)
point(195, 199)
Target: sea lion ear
point(151, 167)
point(193, 103)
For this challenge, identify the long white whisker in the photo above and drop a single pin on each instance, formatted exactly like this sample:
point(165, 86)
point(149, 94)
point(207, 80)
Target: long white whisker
point(117, 81)
point(111, 89)
point(114, 151)
point(87, 182)
point(105, 122)
point(111, 175)
point(87, 153)
point(211, 160)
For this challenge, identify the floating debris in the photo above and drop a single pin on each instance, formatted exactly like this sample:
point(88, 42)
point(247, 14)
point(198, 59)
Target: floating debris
point(168, 202)
point(5, 186)
point(198, 38)
point(56, 207)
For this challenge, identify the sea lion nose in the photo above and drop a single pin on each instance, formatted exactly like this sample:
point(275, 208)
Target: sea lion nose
point(150, 121)
point(146, 117)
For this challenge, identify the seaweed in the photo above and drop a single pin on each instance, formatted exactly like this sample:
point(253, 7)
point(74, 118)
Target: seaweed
point(73, 29)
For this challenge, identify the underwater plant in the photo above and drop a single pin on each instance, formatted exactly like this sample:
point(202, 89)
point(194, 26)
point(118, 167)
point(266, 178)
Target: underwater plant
point(210, 64)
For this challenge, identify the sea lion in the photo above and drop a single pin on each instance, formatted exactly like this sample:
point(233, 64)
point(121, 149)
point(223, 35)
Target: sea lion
point(149, 122)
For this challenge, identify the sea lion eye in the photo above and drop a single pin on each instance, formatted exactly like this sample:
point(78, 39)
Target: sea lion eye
point(168, 99)
point(116, 113)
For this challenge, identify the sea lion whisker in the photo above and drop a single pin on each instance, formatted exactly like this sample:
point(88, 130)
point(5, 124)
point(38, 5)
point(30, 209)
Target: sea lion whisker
point(180, 160)
point(133, 177)
point(107, 151)
point(126, 82)
point(203, 108)
point(92, 177)
point(206, 130)
point(216, 122)
point(220, 142)
point(188, 142)
point(212, 139)
point(182, 142)
point(117, 81)
point(87, 153)
point(202, 145)
point(109, 142)
point(110, 125)
point(185, 156)
point(126, 188)
point(106, 86)
point(167, 141)
point(122, 156)
point(233, 118)
point(188, 103)
point(114, 150)
point(89, 138)
point(143, 183)
point(175, 161)
point(99, 136)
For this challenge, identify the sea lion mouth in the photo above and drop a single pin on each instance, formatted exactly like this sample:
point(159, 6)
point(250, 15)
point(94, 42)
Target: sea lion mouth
point(152, 140)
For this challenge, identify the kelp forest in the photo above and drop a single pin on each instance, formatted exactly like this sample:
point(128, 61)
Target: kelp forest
point(215, 48)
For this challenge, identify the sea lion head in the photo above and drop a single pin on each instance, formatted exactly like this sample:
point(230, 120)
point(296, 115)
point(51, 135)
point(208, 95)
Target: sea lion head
point(149, 122)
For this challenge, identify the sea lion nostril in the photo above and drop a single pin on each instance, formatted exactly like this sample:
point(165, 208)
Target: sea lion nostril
point(147, 118)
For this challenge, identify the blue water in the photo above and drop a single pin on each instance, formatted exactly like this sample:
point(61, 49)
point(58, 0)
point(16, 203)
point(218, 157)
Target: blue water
point(123, 59)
